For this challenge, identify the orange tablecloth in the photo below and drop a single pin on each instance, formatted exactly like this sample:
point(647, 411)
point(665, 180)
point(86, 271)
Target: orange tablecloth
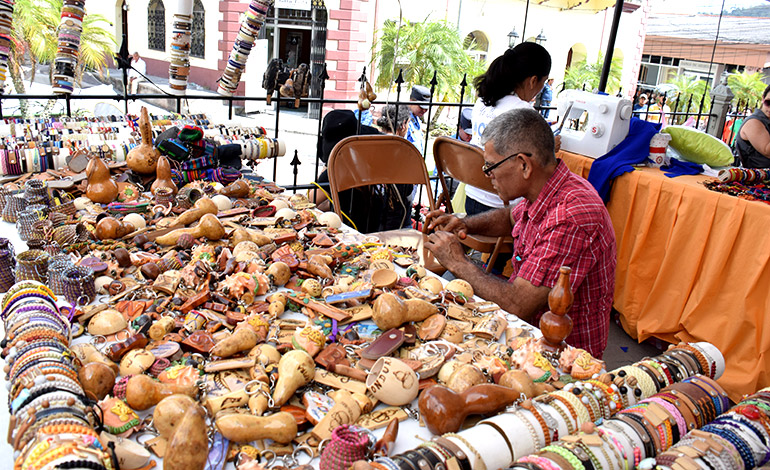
point(692, 266)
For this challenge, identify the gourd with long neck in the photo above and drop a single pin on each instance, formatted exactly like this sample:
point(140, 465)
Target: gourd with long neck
point(143, 158)
point(163, 176)
point(101, 187)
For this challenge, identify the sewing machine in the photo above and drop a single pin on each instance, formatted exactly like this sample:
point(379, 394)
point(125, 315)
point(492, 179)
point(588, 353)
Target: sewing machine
point(602, 122)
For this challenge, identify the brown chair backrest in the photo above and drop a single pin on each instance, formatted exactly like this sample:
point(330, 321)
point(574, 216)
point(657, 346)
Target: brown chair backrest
point(375, 159)
point(461, 161)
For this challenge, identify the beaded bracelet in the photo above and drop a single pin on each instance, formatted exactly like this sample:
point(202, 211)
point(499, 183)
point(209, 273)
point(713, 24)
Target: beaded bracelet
point(573, 461)
point(738, 443)
point(541, 462)
point(571, 425)
point(539, 417)
point(528, 424)
point(575, 403)
point(643, 379)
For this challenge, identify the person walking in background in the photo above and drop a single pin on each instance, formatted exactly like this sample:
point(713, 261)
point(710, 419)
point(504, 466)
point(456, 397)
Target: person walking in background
point(546, 96)
point(138, 68)
point(414, 133)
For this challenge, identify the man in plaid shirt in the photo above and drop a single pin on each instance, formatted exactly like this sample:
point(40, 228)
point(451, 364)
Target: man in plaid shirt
point(561, 222)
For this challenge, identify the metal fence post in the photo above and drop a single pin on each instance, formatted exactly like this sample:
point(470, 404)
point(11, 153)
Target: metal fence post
point(722, 96)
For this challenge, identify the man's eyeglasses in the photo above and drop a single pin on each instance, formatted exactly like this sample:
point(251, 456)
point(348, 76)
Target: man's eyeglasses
point(766, 102)
point(488, 168)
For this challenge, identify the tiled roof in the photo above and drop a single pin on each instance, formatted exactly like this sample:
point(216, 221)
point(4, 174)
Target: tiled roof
point(741, 29)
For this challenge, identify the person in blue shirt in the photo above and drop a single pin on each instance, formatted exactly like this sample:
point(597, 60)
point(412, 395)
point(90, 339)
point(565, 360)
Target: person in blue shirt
point(546, 97)
point(414, 133)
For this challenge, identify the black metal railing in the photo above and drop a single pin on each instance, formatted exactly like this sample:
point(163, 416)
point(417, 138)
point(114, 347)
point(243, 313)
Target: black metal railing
point(681, 113)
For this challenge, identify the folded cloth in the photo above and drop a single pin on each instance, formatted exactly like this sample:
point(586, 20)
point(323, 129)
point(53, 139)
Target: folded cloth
point(190, 134)
point(634, 149)
point(681, 167)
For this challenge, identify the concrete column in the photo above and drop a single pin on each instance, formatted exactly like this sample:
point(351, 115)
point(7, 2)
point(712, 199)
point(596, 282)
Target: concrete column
point(723, 96)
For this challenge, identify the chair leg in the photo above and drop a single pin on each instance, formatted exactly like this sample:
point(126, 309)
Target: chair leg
point(495, 254)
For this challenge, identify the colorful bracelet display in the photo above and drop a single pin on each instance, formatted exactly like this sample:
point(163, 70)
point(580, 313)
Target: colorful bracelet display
point(52, 421)
point(181, 37)
point(661, 398)
point(6, 19)
point(252, 22)
point(66, 62)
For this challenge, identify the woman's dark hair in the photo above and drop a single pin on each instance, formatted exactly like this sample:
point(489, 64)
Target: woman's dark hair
point(511, 69)
point(388, 121)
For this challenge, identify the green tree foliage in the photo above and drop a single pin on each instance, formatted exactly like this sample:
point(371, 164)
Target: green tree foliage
point(691, 93)
point(589, 74)
point(747, 87)
point(35, 35)
point(422, 49)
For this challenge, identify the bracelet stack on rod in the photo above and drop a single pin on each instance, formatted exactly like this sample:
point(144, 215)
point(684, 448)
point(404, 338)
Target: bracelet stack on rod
point(613, 420)
point(52, 422)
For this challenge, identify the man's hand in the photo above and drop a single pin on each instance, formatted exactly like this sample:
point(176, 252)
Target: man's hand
point(441, 221)
point(445, 248)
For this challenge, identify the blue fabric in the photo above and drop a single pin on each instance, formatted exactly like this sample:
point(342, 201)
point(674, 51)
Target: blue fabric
point(366, 117)
point(414, 132)
point(634, 149)
point(679, 168)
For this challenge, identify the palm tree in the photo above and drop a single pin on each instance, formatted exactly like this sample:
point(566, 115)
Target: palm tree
point(747, 87)
point(692, 92)
point(424, 48)
point(584, 75)
point(35, 37)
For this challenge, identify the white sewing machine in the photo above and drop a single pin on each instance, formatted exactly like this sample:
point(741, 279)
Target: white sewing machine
point(602, 122)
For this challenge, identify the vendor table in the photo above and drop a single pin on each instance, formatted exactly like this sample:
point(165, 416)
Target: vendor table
point(411, 432)
point(692, 266)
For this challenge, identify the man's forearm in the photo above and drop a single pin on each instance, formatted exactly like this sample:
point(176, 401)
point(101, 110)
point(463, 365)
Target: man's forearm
point(491, 288)
point(495, 223)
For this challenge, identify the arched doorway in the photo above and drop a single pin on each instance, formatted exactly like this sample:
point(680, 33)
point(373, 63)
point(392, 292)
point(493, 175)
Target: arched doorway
point(577, 54)
point(121, 25)
point(476, 43)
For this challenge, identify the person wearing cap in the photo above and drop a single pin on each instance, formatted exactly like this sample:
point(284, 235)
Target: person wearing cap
point(371, 208)
point(546, 96)
point(135, 75)
point(640, 105)
point(465, 133)
point(414, 133)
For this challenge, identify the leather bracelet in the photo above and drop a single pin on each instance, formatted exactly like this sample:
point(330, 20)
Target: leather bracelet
point(569, 458)
point(641, 431)
point(502, 433)
point(560, 461)
point(456, 452)
point(480, 464)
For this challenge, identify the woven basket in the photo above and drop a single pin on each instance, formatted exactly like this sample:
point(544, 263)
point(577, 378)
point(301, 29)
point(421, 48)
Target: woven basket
point(58, 218)
point(36, 244)
point(64, 203)
point(13, 205)
point(25, 221)
point(57, 266)
point(68, 234)
point(7, 265)
point(4, 193)
point(32, 265)
point(41, 230)
point(36, 192)
point(79, 285)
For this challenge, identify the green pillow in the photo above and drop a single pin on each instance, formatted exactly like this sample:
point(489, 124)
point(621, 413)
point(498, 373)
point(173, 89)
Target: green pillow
point(698, 147)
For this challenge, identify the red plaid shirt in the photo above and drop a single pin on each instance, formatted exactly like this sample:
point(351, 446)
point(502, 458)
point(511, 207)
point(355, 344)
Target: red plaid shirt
point(568, 225)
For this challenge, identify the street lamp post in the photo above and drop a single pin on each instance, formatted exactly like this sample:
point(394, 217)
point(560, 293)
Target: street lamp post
point(540, 39)
point(513, 36)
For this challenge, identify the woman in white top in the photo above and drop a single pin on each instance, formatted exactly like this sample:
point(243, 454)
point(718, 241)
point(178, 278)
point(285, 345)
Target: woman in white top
point(511, 81)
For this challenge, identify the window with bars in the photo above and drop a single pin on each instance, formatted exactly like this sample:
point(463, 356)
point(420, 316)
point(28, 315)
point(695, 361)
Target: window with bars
point(156, 25)
point(198, 40)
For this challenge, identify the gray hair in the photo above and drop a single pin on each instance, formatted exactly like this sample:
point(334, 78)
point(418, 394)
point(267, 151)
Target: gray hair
point(521, 130)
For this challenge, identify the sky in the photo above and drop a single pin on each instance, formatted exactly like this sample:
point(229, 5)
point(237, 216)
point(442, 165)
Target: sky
point(701, 6)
